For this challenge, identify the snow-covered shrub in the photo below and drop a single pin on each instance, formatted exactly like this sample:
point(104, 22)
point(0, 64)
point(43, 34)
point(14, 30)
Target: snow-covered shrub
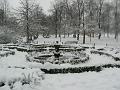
point(23, 77)
point(4, 39)
point(34, 78)
point(26, 79)
point(5, 53)
point(106, 54)
point(2, 83)
point(11, 83)
point(73, 70)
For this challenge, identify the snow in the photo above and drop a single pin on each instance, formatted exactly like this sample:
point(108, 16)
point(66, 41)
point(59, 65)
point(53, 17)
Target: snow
point(17, 60)
point(12, 74)
point(16, 68)
point(17, 76)
point(113, 51)
point(52, 40)
point(111, 42)
point(106, 80)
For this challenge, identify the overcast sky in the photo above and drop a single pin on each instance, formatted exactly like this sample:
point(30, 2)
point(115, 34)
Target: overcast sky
point(44, 3)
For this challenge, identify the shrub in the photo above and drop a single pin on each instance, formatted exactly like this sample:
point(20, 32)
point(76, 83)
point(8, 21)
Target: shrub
point(2, 84)
point(4, 39)
point(7, 38)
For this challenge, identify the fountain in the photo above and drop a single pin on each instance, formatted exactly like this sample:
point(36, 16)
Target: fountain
point(57, 51)
point(60, 56)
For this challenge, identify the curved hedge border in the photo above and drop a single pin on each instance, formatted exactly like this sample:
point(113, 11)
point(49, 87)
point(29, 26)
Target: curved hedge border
point(79, 69)
point(107, 54)
point(76, 69)
point(43, 47)
point(73, 70)
point(24, 49)
point(7, 53)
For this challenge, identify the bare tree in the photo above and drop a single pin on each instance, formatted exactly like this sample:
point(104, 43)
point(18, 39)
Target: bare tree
point(38, 22)
point(106, 18)
point(4, 6)
point(116, 19)
point(91, 18)
point(84, 32)
point(57, 11)
point(25, 11)
point(100, 7)
point(56, 21)
point(80, 12)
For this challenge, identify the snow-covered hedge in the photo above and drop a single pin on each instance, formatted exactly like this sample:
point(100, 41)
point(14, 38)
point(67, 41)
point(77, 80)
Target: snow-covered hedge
point(73, 70)
point(5, 53)
point(79, 69)
point(104, 53)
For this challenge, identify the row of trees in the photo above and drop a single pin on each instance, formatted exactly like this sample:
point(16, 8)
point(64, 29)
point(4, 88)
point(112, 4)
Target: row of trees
point(27, 20)
point(32, 19)
point(86, 17)
point(7, 19)
point(8, 23)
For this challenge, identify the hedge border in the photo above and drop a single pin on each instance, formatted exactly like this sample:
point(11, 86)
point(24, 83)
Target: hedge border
point(79, 69)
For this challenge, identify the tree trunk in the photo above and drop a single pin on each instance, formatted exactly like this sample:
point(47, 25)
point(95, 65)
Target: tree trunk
point(90, 37)
point(56, 31)
point(64, 32)
point(116, 20)
point(78, 36)
point(83, 24)
point(68, 34)
point(84, 37)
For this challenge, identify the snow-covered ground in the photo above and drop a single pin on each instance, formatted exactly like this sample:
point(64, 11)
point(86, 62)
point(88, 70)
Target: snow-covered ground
point(17, 60)
point(15, 69)
point(111, 42)
point(106, 80)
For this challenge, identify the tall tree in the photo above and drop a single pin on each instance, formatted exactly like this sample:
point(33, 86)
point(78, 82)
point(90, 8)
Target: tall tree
point(25, 11)
point(100, 7)
point(80, 5)
point(4, 10)
point(84, 32)
point(106, 18)
point(116, 19)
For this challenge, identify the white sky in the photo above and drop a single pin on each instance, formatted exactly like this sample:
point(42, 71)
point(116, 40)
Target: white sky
point(44, 3)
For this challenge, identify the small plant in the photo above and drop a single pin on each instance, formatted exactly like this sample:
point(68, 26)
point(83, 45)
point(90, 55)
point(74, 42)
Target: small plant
point(2, 84)
point(11, 84)
point(26, 79)
point(32, 79)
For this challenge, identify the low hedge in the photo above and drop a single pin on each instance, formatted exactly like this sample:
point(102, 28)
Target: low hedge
point(73, 70)
point(107, 54)
point(79, 69)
